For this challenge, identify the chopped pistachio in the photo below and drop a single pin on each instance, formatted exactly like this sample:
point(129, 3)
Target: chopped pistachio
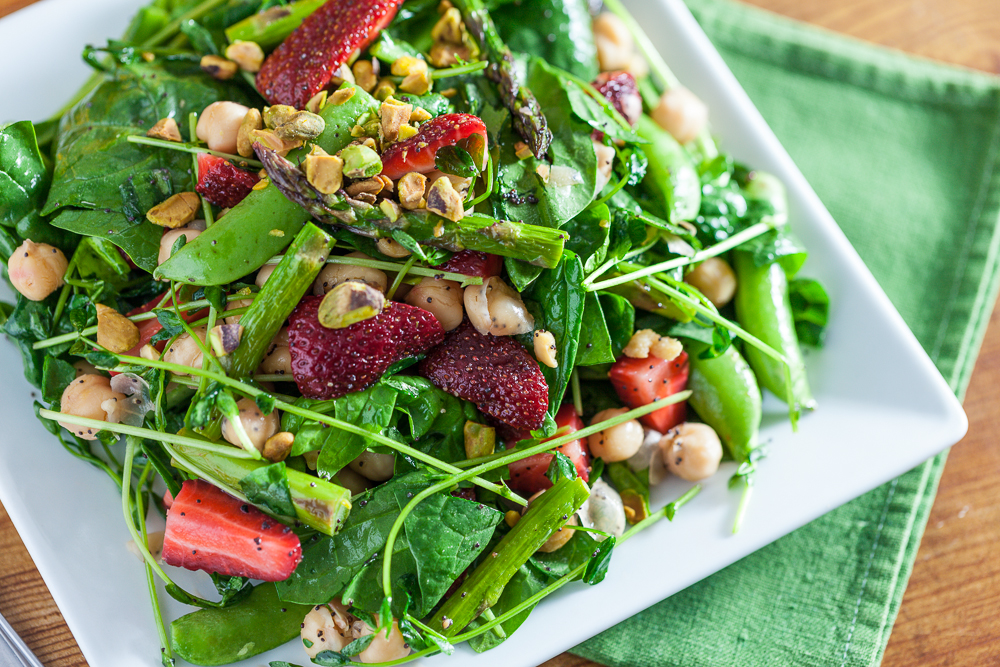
point(439, 229)
point(449, 92)
point(387, 183)
point(366, 198)
point(369, 185)
point(480, 440)
point(418, 83)
point(248, 55)
point(224, 338)
point(148, 56)
point(407, 65)
point(384, 90)
point(278, 446)
point(115, 331)
point(259, 185)
point(522, 151)
point(270, 139)
point(449, 27)
point(176, 211)
point(304, 125)
point(411, 188)
point(635, 506)
point(444, 199)
point(394, 114)
point(391, 209)
point(166, 129)
point(324, 172)
point(365, 75)
point(368, 142)
point(419, 115)
point(341, 75)
point(357, 131)
point(278, 114)
point(244, 140)
point(443, 54)
point(543, 170)
point(342, 95)
point(318, 101)
point(406, 131)
point(348, 303)
point(360, 161)
point(218, 67)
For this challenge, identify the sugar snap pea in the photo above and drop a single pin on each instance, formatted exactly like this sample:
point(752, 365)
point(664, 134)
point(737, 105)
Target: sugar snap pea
point(261, 225)
point(671, 178)
point(726, 396)
point(763, 309)
point(223, 636)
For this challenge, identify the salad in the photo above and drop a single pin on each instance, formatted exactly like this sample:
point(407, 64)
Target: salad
point(394, 310)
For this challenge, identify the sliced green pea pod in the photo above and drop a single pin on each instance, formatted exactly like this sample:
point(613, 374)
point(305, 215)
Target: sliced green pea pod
point(726, 396)
point(764, 310)
point(264, 223)
point(223, 636)
point(671, 177)
point(270, 28)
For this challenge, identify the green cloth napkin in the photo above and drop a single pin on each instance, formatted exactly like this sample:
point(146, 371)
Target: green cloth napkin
point(904, 153)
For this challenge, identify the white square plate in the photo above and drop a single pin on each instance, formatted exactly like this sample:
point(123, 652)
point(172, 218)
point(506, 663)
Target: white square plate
point(872, 380)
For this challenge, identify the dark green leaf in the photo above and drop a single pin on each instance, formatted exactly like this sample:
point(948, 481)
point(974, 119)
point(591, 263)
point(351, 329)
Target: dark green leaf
point(597, 566)
point(24, 177)
point(56, 376)
point(330, 659)
point(200, 37)
point(372, 410)
point(102, 359)
point(456, 161)
point(267, 487)
point(557, 31)
point(810, 310)
point(216, 297)
point(265, 402)
point(435, 418)
point(99, 257)
point(560, 466)
point(358, 645)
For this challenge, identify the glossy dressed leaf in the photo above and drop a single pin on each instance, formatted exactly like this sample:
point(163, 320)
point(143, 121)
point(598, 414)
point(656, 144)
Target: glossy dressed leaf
point(810, 310)
point(560, 466)
point(371, 409)
point(456, 161)
point(608, 324)
point(589, 234)
point(557, 31)
point(526, 582)
point(778, 245)
point(24, 177)
point(597, 566)
point(435, 418)
point(267, 487)
point(56, 376)
point(99, 257)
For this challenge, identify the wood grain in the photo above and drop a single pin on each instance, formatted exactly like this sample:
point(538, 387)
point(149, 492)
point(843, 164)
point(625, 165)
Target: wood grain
point(949, 612)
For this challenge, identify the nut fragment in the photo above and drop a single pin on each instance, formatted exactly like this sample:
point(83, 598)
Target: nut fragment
point(360, 161)
point(411, 188)
point(384, 90)
point(166, 129)
point(349, 302)
point(445, 200)
point(545, 348)
point(323, 171)
point(274, 142)
point(365, 75)
point(303, 125)
point(247, 55)
point(522, 151)
point(115, 331)
point(480, 440)
point(449, 27)
point(225, 338)
point(218, 67)
point(445, 55)
point(318, 101)
point(341, 96)
point(278, 114)
point(406, 65)
point(406, 131)
point(394, 114)
point(370, 186)
point(244, 139)
point(419, 115)
point(418, 83)
point(277, 447)
point(176, 211)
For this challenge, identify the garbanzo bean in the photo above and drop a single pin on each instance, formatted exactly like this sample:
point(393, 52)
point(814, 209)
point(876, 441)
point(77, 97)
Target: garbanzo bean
point(36, 269)
point(83, 398)
point(617, 443)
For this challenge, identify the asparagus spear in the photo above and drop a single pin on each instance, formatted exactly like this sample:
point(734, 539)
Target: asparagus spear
point(529, 120)
point(536, 245)
point(270, 28)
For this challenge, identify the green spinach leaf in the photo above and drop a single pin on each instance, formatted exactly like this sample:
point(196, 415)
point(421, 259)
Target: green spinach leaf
point(810, 310)
point(267, 487)
point(557, 31)
point(24, 176)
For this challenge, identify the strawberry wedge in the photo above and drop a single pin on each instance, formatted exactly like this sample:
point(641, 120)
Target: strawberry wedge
point(208, 529)
point(222, 183)
point(419, 152)
point(474, 263)
point(527, 476)
point(639, 382)
point(305, 62)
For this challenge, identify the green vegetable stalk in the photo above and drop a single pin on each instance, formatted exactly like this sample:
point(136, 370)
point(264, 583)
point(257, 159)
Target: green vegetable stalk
point(671, 177)
point(270, 28)
point(482, 589)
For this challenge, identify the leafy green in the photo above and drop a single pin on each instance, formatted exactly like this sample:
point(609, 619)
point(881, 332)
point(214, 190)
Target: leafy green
point(557, 31)
point(370, 409)
point(24, 176)
point(456, 161)
point(597, 566)
point(267, 487)
point(436, 418)
point(778, 245)
point(608, 324)
point(810, 310)
point(560, 466)
point(527, 581)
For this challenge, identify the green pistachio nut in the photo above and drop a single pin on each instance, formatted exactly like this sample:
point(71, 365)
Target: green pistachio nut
point(360, 162)
point(480, 440)
point(348, 303)
point(278, 114)
point(302, 125)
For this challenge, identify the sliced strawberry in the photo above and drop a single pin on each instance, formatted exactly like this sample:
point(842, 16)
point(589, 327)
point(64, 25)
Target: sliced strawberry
point(639, 382)
point(474, 263)
point(527, 476)
point(494, 372)
point(208, 529)
point(151, 327)
point(328, 363)
point(305, 62)
point(622, 91)
point(419, 152)
point(221, 183)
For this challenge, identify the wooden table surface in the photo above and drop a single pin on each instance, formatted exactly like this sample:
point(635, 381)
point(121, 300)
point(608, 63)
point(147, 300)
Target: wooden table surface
point(949, 612)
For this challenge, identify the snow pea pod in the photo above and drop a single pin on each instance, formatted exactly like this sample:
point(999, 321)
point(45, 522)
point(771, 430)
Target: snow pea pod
point(270, 28)
point(261, 225)
point(671, 177)
point(763, 309)
point(726, 396)
point(223, 636)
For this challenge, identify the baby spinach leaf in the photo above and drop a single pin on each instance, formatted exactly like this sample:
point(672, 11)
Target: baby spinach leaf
point(810, 310)
point(574, 553)
point(456, 161)
point(267, 487)
point(24, 176)
point(557, 31)
point(389, 50)
point(778, 245)
point(56, 376)
point(608, 324)
point(527, 581)
point(560, 466)
point(589, 234)
point(200, 38)
point(597, 566)
point(436, 418)
point(99, 257)
point(371, 409)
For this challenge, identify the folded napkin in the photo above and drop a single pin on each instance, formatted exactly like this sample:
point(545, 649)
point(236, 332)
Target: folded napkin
point(904, 153)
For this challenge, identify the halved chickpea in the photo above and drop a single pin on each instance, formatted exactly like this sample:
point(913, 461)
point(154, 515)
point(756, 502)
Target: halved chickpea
point(615, 47)
point(384, 649)
point(278, 358)
point(36, 269)
point(352, 481)
point(185, 351)
point(692, 451)
point(392, 248)
point(219, 125)
point(374, 466)
point(83, 398)
point(327, 627)
point(715, 279)
point(258, 426)
point(681, 114)
point(263, 273)
point(169, 238)
point(334, 274)
point(442, 298)
point(616, 443)
point(235, 305)
point(495, 308)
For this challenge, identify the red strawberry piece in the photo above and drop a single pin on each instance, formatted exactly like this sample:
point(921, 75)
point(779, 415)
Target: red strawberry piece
point(494, 372)
point(639, 382)
point(527, 476)
point(418, 153)
point(328, 363)
point(474, 263)
point(222, 183)
point(621, 90)
point(305, 62)
point(151, 327)
point(208, 529)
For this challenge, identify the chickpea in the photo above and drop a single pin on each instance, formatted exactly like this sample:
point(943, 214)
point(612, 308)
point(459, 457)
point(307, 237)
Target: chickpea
point(442, 298)
point(84, 367)
point(692, 451)
point(185, 351)
point(334, 274)
point(36, 269)
point(83, 398)
point(278, 359)
point(495, 308)
point(327, 628)
point(605, 160)
point(376, 467)
point(264, 273)
point(392, 248)
point(615, 47)
point(617, 443)
point(384, 650)
point(352, 481)
point(219, 125)
point(681, 114)
point(259, 427)
point(168, 240)
point(234, 305)
point(715, 279)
